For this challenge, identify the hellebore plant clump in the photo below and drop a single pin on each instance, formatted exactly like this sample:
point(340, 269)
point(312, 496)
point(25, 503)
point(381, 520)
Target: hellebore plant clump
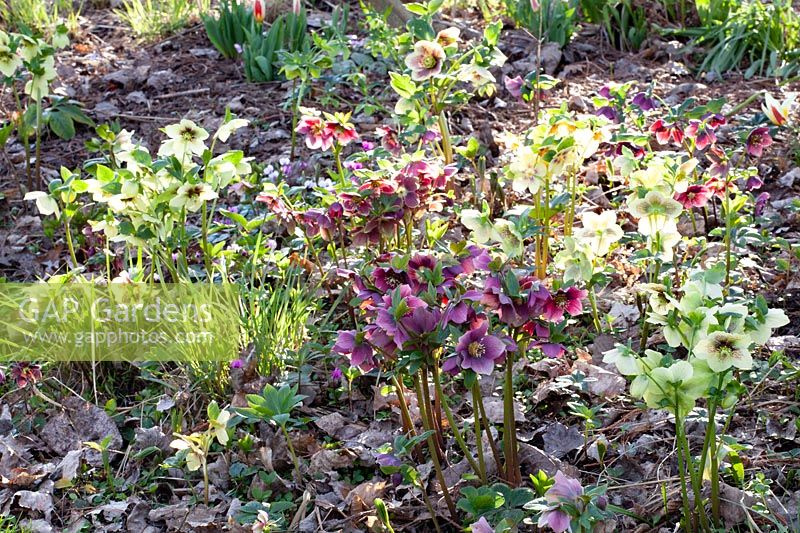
point(400, 255)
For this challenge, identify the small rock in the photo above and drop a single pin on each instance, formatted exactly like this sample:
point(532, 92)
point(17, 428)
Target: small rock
point(162, 79)
point(577, 103)
point(105, 110)
point(626, 69)
point(136, 97)
point(204, 52)
point(676, 68)
point(788, 179)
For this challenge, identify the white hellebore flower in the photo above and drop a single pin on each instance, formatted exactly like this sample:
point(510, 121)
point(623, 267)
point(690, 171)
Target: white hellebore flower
point(45, 203)
point(774, 319)
point(527, 170)
point(722, 350)
point(225, 131)
point(9, 61)
point(185, 138)
point(38, 86)
point(479, 224)
point(599, 231)
point(191, 196)
point(509, 238)
point(656, 212)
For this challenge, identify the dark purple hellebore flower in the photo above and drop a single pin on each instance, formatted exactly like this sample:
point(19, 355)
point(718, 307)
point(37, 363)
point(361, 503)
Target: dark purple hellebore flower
point(387, 318)
point(605, 91)
point(758, 139)
point(237, 363)
point(644, 102)
point(479, 351)
point(753, 183)
point(607, 111)
point(336, 375)
point(388, 279)
point(390, 462)
point(352, 344)
point(518, 310)
point(761, 203)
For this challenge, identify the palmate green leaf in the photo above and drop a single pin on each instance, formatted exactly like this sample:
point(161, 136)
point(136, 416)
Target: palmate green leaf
point(61, 124)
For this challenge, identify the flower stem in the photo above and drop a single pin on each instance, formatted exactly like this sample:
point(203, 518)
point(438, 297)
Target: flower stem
point(477, 425)
point(295, 460)
point(595, 314)
point(682, 471)
point(433, 450)
point(513, 475)
point(456, 433)
point(337, 154)
point(39, 143)
point(408, 425)
point(447, 146)
point(70, 245)
point(204, 237)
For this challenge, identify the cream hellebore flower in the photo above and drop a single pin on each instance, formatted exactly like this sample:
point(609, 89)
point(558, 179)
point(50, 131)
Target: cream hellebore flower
point(426, 60)
point(224, 168)
point(45, 203)
point(774, 319)
point(191, 196)
point(678, 386)
point(723, 350)
point(448, 37)
point(479, 224)
point(9, 61)
point(777, 112)
point(37, 87)
point(61, 37)
point(224, 132)
point(657, 297)
point(185, 138)
point(656, 212)
point(220, 426)
point(29, 48)
point(663, 243)
point(509, 238)
point(128, 198)
point(527, 170)
point(599, 231)
point(479, 77)
point(194, 458)
point(576, 260)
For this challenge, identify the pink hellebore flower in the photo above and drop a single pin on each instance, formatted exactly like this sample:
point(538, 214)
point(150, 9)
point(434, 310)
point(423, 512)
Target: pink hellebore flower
point(481, 526)
point(514, 85)
point(479, 351)
point(702, 133)
point(758, 139)
point(564, 300)
point(426, 60)
point(318, 133)
point(564, 490)
point(535, 5)
point(694, 196)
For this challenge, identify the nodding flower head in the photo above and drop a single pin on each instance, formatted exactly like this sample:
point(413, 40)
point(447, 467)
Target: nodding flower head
point(757, 140)
point(426, 60)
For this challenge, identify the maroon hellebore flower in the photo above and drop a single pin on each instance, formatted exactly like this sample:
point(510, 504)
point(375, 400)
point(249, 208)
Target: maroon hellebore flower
point(24, 373)
point(664, 132)
point(758, 139)
point(761, 203)
point(694, 196)
point(564, 300)
point(702, 133)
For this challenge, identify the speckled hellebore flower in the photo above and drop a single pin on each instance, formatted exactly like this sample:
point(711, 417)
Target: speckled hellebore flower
point(426, 60)
point(191, 196)
point(480, 351)
point(565, 490)
point(694, 196)
point(722, 350)
point(757, 140)
point(702, 133)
